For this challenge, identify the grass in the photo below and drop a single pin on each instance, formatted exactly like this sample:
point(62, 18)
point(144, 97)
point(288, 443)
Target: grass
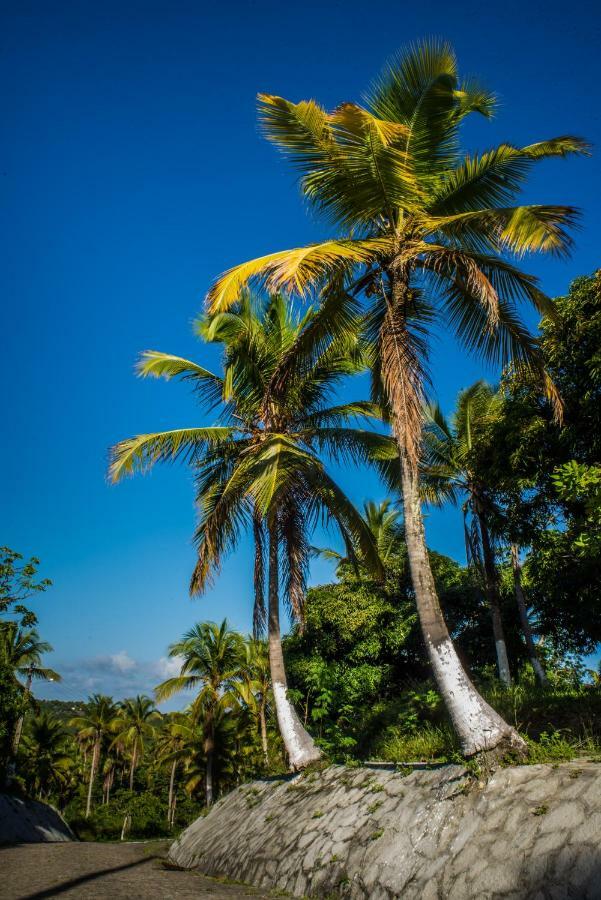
point(558, 724)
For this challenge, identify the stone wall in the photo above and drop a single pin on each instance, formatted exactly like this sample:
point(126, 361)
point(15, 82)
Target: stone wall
point(528, 832)
point(29, 822)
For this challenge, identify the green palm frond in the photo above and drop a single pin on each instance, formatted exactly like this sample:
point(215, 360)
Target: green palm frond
point(140, 453)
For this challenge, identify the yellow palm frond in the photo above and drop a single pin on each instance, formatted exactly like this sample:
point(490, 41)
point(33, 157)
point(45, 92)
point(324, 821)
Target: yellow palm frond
point(295, 270)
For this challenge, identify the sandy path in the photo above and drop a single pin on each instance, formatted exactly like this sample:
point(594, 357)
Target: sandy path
point(103, 871)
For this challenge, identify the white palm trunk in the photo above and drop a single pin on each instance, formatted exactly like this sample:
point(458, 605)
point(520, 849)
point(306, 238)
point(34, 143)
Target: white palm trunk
point(299, 744)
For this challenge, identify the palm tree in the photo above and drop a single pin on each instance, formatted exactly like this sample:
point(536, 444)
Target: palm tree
point(422, 233)
point(449, 473)
point(93, 727)
point(212, 657)
point(171, 749)
point(47, 754)
point(254, 687)
point(384, 521)
point(261, 470)
point(134, 723)
point(535, 660)
point(22, 650)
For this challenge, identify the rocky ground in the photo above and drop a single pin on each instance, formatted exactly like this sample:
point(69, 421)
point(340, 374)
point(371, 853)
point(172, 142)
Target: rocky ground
point(103, 871)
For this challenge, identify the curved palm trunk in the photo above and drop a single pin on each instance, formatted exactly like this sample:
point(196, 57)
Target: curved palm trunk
point(93, 767)
point(134, 760)
point(478, 726)
point(491, 581)
point(299, 744)
point(521, 602)
point(263, 726)
point(209, 749)
point(170, 803)
point(11, 768)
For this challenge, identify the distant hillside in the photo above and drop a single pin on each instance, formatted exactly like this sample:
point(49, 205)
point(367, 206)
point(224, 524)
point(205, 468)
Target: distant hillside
point(63, 709)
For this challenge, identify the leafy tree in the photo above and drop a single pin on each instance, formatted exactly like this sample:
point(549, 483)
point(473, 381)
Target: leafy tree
point(262, 470)
point(422, 233)
point(18, 584)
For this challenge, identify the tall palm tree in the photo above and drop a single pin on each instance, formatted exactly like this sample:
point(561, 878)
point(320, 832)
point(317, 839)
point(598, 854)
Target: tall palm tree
point(212, 657)
point(260, 469)
point(22, 650)
point(134, 723)
point(449, 473)
point(93, 727)
point(422, 233)
point(171, 750)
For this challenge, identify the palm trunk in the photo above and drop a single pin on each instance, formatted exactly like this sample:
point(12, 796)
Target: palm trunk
point(521, 602)
point(170, 804)
point(11, 768)
point(134, 759)
point(491, 582)
point(209, 749)
point(263, 726)
point(95, 756)
point(478, 726)
point(299, 744)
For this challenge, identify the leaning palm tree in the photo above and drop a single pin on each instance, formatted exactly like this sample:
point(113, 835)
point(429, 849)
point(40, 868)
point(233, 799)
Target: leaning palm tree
point(22, 650)
point(260, 469)
point(134, 724)
point(171, 750)
point(422, 233)
point(212, 658)
point(93, 727)
point(449, 473)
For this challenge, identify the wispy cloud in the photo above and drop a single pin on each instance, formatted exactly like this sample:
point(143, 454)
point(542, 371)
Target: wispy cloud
point(119, 675)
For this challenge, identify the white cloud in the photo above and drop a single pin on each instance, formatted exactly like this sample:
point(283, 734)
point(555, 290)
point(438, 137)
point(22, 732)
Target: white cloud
point(118, 675)
point(123, 662)
point(169, 666)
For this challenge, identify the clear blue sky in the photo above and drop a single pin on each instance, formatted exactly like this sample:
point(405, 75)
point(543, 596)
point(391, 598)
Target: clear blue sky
point(133, 172)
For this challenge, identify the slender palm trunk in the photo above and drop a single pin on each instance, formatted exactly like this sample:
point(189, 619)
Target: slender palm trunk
point(93, 767)
point(521, 602)
point(11, 768)
point(263, 726)
point(491, 581)
point(170, 803)
point(299, 744)
point(209, 749)
point(134, 759)
point(478, 726)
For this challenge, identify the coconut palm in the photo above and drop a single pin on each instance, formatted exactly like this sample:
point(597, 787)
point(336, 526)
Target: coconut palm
point(212, 657)
point(254, 687)
point(170, 750)
point(22, 650)
point(449, 473)
point(421, 233)
point(384, 521)
point(47, 754)
point(261, 470)
point(135, 723)
point(93, 727)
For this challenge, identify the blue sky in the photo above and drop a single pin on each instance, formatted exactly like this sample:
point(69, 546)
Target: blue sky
point(132, 173)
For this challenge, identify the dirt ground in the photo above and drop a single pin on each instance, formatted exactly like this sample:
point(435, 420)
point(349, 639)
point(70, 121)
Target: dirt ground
point(99, 871)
